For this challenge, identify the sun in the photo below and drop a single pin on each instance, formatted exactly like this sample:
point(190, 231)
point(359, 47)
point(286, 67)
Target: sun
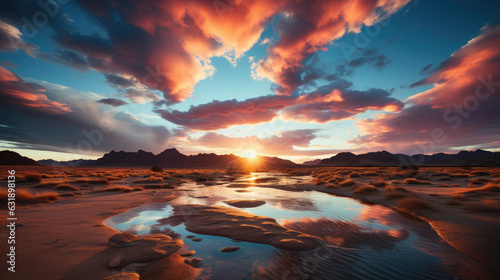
point(250, 154)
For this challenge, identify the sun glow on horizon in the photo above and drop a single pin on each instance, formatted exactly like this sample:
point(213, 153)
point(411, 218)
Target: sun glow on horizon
point(250, 154)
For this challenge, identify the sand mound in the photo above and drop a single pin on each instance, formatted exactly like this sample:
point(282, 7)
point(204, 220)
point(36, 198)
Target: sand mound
point(125, 249)
point(241, 203)
point(229, 249)
point(188, 253)
point(240, 225)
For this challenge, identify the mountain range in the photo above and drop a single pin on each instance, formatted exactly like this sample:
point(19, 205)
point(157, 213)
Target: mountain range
point(172, 158)
point(383, 158)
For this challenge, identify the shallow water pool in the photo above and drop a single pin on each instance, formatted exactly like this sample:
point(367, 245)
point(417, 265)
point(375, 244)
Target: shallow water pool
point(362, 241)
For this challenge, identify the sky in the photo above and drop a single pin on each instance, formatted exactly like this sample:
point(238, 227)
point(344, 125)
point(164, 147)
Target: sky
point(295, 79)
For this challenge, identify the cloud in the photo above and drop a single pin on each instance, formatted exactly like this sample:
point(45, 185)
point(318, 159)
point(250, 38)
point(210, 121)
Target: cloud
point(10, 40)
point(141, 96)
point(17, 92)
point(372, 57)
point(115, 102)
point(168, 45)
point(220, 114)
point(425, 69)
point(118, 81)
point(309, 26)
point(337, 101)
point(460, 110)
point(45, 116)
point(334, 101)
point(264, 41)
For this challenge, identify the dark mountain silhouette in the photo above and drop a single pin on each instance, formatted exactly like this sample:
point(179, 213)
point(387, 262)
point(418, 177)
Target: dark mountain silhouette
point(172, 158)
point(384, 158)
point(121, 158)
point(13, 158)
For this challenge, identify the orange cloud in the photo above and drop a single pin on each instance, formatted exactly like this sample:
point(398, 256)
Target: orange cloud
point(308, 27)
point(15, 90)
point(168, 45)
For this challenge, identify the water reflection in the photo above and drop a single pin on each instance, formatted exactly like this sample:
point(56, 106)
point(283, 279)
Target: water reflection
point(361, 241)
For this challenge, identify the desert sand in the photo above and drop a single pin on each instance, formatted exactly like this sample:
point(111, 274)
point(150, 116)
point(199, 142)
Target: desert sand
point(62, 235)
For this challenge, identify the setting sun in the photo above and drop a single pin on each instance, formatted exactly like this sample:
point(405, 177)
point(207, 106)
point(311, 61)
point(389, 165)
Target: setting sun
point(250, 154)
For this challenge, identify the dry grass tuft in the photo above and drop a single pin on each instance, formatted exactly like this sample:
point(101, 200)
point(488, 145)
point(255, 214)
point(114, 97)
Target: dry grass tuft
point(379, 183)
point(25, 197)
point(331, 186)
point(412, 181)
point(413, 203)
point(336, 179)
point(347, 183)
point(156, 168)
point(490, 187)
point(354, 175)
point(33, 178)
point(365, 189)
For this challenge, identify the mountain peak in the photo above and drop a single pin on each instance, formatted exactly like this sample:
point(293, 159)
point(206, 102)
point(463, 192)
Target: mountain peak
point(171, 151)
point(12, 158)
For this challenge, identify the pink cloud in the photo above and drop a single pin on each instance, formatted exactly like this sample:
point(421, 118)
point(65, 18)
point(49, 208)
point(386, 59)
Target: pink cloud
point(458, 111)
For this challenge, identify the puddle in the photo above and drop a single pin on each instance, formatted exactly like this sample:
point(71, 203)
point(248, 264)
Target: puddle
point(364, 241)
